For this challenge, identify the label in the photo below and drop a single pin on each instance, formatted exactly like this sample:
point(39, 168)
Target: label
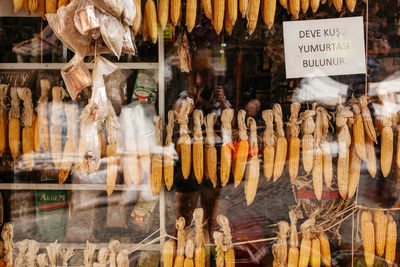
point(324, 47)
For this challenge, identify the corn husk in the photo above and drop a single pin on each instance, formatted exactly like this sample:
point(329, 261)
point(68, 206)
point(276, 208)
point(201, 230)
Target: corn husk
point(169, 152)
point(184, 141)
point(253, 165)
point(112, 127)
point(58, 94)
point(156, 160)
point(269, 140)
point(3, 119)
point(227, 145)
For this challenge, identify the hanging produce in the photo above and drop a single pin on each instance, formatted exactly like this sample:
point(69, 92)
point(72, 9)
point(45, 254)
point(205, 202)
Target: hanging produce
point(151, 17)
point(380, 224)
point(211, 151)
point(281, 143)
point(156, 159)
point(317, 172)
point(198, 144)
point(219, 242)
point(14, 135)
point(41, 122)
point(137, 21)
point(163, 12)
point(279, 249)
point(227, 23)
point(169, 151)
point(294, 140)
point(252, 15)
point(293, 255)
point(358, 132)
point(306, 245)
point(386, 135)
point(241, 149)
point(145, 26)
point(130, 163)
point(113, 138)
point(56, 125)
point(207, 6)
point(391, 241)
point(176, 12)
point(218, 15)
point(232, 9)
point(189, 250)
point(354, 171)
point(368, 238)
point(253, 165)
point(304, 4)
point(3, 118)
point(168, 253)
point(307, 141)
point(315, 258)
point(227, 145)
point(294, 6)
point(314, 5)
point(338, 4)
point(325, 248)
point(184, 141)
point(191, 12)
point(269, 140)
point(223, 222)
point(199, 253)
point(180, 249)
point(269, 12)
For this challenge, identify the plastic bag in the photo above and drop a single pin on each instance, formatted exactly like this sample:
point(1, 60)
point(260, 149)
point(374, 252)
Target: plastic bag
point(76, 76)
point(112, 33)
point(66, 31)
point(129, 13)
point(116, 88)
point(128, 46)
point(112, 7)
point(87, 18)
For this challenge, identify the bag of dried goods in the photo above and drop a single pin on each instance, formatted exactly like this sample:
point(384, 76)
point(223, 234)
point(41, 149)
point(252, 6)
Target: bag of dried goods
point(76, 76)
point(112, 33)
point(87, 18)
point(113, 7)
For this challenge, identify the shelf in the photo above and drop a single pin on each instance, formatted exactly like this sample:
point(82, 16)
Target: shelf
point(82, 187)
point(58, 66)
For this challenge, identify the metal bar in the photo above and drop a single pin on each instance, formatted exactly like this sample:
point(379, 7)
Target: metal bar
point(81, 187)
point(57, 66)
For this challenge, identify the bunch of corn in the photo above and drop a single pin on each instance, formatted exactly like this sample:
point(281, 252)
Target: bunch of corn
point(307, 141)
point(211, 151)
point(281, 143)
point(180, 249)
point(189, 250)
point(207, 6)
point(294, 141)
point(386, 135)
point(28, 155)
point(293, 255)
point(130, 165)
point(184, 142)
point(320, 137)
point(227, 145)
point(368, 238)
point(42, 121)
point(218, 15)
point(51, 6)
point(294, 6)
point(112, 126)
point(135, 27)
point(391, 241)
point(228, 246)
point(3, 118)
point(343, 117)
point(169, 151)
point(191, 12)
point(253, 165)
point(56, 125)
point(279, 250)
point(151, 19)
point(176, 12)
point(199, 253)
point(156, 159)
point(231, 11)
point(306, 245)
point(142, 141)
point(370, 137)
point(14, 125)
point(219, 243)
point(68, 157)
point(252, 15)
point(269, 8)
point(269, 140)
point(168, 253)
point(241, 149)
point(198, 144)
point(354, 171)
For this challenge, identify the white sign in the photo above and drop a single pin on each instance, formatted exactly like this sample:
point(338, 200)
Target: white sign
point(324, 47)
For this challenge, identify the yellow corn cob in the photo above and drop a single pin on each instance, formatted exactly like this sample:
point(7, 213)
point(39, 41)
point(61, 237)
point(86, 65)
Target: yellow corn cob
point(218, 15)
point(27, 147)
point(314, 5)
point(307, 152)
point(325, 249)
point(185, 148)
point(62, 3)
point(207, 8)
point(269, 13)
point(145, 26)
point(367, 120)
point(14, 137)
point(343, 171)
point(198, 162)
point(381, 221)
point(230, 258)
point(227, 23)
point(56, 144)
point(241, 152)
point(33, 4)
point(354, 172)
point(156, 173)
point(386, 150)
point(275, 264)
point(281, 143)
point(226, 160)
point(371, 157)
point(351, 5)
point(67, 160)
point(391, 241)
point(269, 143)
point(112, 167)
point(315, 258)
point(243, 6)
point(294, 157)
point(284, 4)
point(179, 261)
point(189, 250)
point(252, 16)
point(18, 5)
point(3, 132)
point(304, 5)
point(268, 165)
point(138, 18)
point(51, 6)
point(168, 253)
point(252, 176)
point(305, 251)
point(41, 7)
point(327, 162)
point(168, 167)
point(36, 146)
point(191, 10)
point(358, 133)
point(317, 173)
point(220, 258)
point(232, 10)
point(26, 6)
point(294, 8)
point(151, 18)
point(188, 262)
point(368, 238)
point(398, 149)
point(338, 4)
point(175, 12)
point(293, 257)
point(163, 9)
point(199, 257)
point(211, 158)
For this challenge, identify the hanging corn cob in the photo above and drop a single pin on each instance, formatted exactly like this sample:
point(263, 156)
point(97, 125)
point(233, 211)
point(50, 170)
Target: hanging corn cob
point(156, 159)
point(380, 221)
point(211, 151)
point(56, 127)
point(218, 15)
point(281, 143)
point(320, 137)
point(199, 253)
point(315, 258)
point(284, 4)
point(169, 151)
point(307, 141)
point(227, 23)
point(358, 132)
point(241, 149)
point(41, 7)
point(338, 4)
point(325, 248)
point(33, 5)
point(391, 241)
point(189, 250)
point(180, 249)
point(18, 5)
point(28, 155)
point(232, 10)
point(228, 246)
point(51, 6)
point(175, 12)
point(294, 6)
point(112, 126)
point(151, 18)
point(42, 121)
point(131, 165)
point(269, 9)
point(219, 243)
point(168, 253)
point(61, 3)
point(304, 4)
point(191, 12)
point(269, 140)
point(163, 9)
point(294, 141)
point(243, 6)
point(68, 157)
point(252, 16)
point(314, 5)
point(145, 26)
point(198, 144)
point(142, 141)
point(317, 172)
point(253, 165)
point(3, 118)
point(135, 27)
point(367, 120)
point(368, 238)
point(305, 246)
point(184, 141)
point(279, 250)
point(227, 146)
point(14, 125)
point(354, 171)
point(293, 255)
point(386, 135)
point(207, 6)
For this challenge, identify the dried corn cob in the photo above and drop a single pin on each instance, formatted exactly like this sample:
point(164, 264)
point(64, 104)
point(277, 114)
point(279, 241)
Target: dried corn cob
point(211, 151)
point(3, 118)
point(56, 127)
point(294, 6)
point(386, 136)
point(351, 5)
point(281, 143)
point(354, 172)
point(51, 6)
point(26, 6)
point(230, 258)
point(279, 250)
point(207, 6)
point(293, 255)
point(232, 10)
point(163, 9)
point(307, 141)
point(398, 148)
point(367, 120)
point(320, 137)
point(156, 160)
point(138, 18)
point(269, 140)
point(219, 242)
point(198, 155)
point(294, 141)
point(380, 220)
point(41, 7)
point(131, 165)
point(168, 253)
point(42, 121)
point(228, 246)
point(391, 241)
point(227, 23)
point(314, 5)
point(243, 6)
point(253, 166)
point(189, 250)
point(14, 135)
point(269, 13)
point(358, 132)
point(28, 158)
point(175, 12)
point(241, 149)
point(304, 4)
point(218, 15)
point(371, 157)
point(191, 11)
point(338, 4)
point(227, 146)
point(252, 16)
point(368, 238)
point(145, 26)
point(62, 3)
point(315, 258)
point(169, 151)
point(325, 249)
point(143, 146)
point(112, 127)
point(284, 4)
point(180, 249)
point(199, 253)
point(151, 18)
point(70, 147)
point(305, 246)
point(184, 141)
point(33, 5)
point(317, 173)
point(18, 5)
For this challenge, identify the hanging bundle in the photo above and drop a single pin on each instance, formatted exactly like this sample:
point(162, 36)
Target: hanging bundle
point(180, 249)
point(305, 246)
point(156, 159)
point(88, 254)
point(307, 141)
point(293, 255)
point(269, 140)
point(53, 250)
point(3, 118)
point(169, 151)
point(66, 255)
point(281, 143)
point(253, 165)
point(14, 125)
point(198, 144)
point(184, 141)
point(42, 260)
point(189, 250)
point(219, 242)
point(113, 247)
point(211, 151)
point(112, 127)
point(279, 250)
point(56, 125)
point(168, 253)
point(227, 145)
point(294, 141)
point(199, 253)
point(227, 243)
point(241, 149)
point(42, 122)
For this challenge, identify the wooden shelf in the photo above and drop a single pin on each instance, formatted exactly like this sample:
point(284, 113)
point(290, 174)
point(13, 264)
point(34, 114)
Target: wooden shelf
point(58, 66)
point(76, 187)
